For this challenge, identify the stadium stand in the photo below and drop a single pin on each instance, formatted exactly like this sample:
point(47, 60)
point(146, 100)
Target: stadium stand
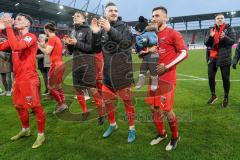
point(194, 28)
point(42, 12)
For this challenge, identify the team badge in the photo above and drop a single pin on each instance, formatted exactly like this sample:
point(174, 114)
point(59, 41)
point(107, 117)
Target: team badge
point(163, 99)
point(28, 39)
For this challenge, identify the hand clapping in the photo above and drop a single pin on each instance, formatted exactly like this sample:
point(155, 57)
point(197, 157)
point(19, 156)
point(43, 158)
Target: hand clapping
point(97, 24)
point(6, 20)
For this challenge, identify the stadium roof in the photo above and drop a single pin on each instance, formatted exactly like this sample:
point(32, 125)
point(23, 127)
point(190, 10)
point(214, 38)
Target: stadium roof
point(203, 17)
point(40, 9)
point(200, 17)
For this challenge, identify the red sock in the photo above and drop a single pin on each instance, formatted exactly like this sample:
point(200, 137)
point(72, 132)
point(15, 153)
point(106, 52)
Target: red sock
point(23, 116)
point(110, 112)
point(61, 93)
point(158, 122)
point(56, 95)
point(99, 86)
point(174, 127)
point(82, 102)
point(40, 117)
point(129, 109)
point(99, 103)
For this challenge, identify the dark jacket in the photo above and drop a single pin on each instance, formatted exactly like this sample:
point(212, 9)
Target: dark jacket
point(83, 68)
point(116, 48)
point(224, 56)
point(237, 55)
point(83, 35)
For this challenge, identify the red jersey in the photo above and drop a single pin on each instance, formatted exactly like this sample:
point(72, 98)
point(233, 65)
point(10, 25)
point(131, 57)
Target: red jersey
point(24, 50)
point(56, 54)
point(172, 49)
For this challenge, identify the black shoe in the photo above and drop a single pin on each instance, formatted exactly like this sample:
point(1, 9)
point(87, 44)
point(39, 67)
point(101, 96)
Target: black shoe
point(100, 120)
point(85, 115)
point(172, 144)
point(60, 109)
point(225, 102)
point(212, 100)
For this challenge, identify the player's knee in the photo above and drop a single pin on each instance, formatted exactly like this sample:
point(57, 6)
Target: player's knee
point(107, 101)
point(93, 90)
point(128, 103)
point(156, 108)
point(79, 91)
point(170, 115)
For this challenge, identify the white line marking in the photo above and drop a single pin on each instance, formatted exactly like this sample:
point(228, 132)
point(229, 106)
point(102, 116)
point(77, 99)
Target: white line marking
point(191, 76)
point(234, 80)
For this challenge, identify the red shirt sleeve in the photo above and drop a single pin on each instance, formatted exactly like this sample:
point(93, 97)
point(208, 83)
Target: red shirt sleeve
point(51, 41)
point(4, 46)
point(179, 42)
point(181, 49)
point(17, 45)
point(29, 40)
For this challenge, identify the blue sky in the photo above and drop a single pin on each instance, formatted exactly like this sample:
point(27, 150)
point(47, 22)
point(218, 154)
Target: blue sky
point(130, 10)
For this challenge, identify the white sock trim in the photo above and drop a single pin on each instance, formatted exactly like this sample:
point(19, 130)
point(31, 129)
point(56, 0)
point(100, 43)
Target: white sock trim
point(131, 127)
point(25, 129)
point(113, 124)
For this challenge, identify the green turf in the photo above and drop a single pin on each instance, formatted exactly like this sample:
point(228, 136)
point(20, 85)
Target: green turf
point(207, 132)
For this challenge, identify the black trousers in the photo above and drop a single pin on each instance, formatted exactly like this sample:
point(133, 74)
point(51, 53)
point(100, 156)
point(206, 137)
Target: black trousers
point(44, 72)
point(225, 72)
point(149, 62)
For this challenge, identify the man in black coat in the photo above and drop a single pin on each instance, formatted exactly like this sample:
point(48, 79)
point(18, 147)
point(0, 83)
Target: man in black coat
point(84, 65)
point(220, 41)
point(113, 38)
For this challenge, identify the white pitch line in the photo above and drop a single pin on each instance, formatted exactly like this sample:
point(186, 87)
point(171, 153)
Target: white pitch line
point(199, 78)
point(182, 79)
point(234, 80)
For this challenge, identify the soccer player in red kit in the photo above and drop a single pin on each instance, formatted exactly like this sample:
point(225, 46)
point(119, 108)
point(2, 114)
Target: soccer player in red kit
point(172, 50)
point(54, 48)
point(26, 82)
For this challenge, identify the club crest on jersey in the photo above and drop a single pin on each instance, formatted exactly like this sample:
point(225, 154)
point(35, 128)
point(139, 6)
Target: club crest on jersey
point(163, 99)
point(28, 98)
point(162, 39)
point(28, 39)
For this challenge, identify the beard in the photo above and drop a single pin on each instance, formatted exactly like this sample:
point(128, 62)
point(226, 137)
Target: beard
point(113, 18)
point(158, 24)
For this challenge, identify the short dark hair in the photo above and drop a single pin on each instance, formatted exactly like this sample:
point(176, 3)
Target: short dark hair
point(82, 14)
point(28, 17)
point(50, 26)
point(218, 14)
point(160, 8)
point(110, 4)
